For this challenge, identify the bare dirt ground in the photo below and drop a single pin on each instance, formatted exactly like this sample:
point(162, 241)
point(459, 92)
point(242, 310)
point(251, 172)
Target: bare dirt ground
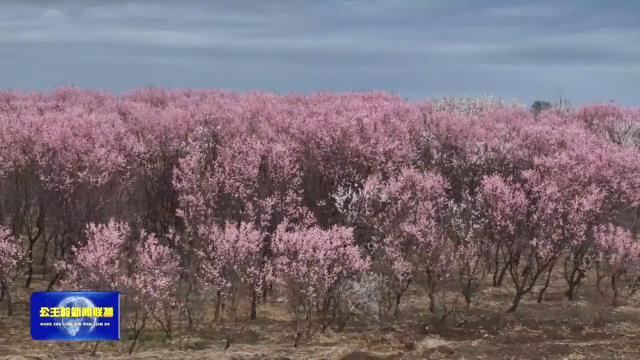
point(554, 329)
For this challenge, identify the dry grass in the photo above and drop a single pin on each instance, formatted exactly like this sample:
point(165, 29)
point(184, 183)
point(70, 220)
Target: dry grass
point(554, 329)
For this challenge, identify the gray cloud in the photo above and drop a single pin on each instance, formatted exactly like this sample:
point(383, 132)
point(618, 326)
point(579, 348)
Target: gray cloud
point(413, 47)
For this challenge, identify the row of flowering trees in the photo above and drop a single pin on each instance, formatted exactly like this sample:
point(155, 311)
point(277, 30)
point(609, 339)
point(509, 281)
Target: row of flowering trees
point(188, 201)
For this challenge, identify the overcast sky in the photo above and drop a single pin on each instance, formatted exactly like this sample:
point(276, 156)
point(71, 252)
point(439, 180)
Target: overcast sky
point(588, 49)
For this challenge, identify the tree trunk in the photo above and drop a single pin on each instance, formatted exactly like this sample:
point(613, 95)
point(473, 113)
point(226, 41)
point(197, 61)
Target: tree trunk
point(467, 293)
point(53, 282)
point(572, 292)
point(254, 305)
point(574, 282)
point(7, 293)
point(297, 339)
point(216, 314)
point(614, 287)
point(497, 282)
point(29, 264)
point(516, 302)
point(432, 303)
point(546, 285)
point(43, 261)
point(496, 269)
point(633, 288)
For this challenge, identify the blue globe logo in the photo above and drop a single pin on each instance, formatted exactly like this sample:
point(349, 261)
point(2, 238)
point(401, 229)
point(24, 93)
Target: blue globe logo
point(76, 325)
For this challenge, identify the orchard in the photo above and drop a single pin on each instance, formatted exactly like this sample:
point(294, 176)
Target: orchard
point(205, 207)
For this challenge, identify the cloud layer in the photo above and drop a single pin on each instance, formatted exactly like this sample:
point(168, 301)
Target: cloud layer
point(588, 49)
